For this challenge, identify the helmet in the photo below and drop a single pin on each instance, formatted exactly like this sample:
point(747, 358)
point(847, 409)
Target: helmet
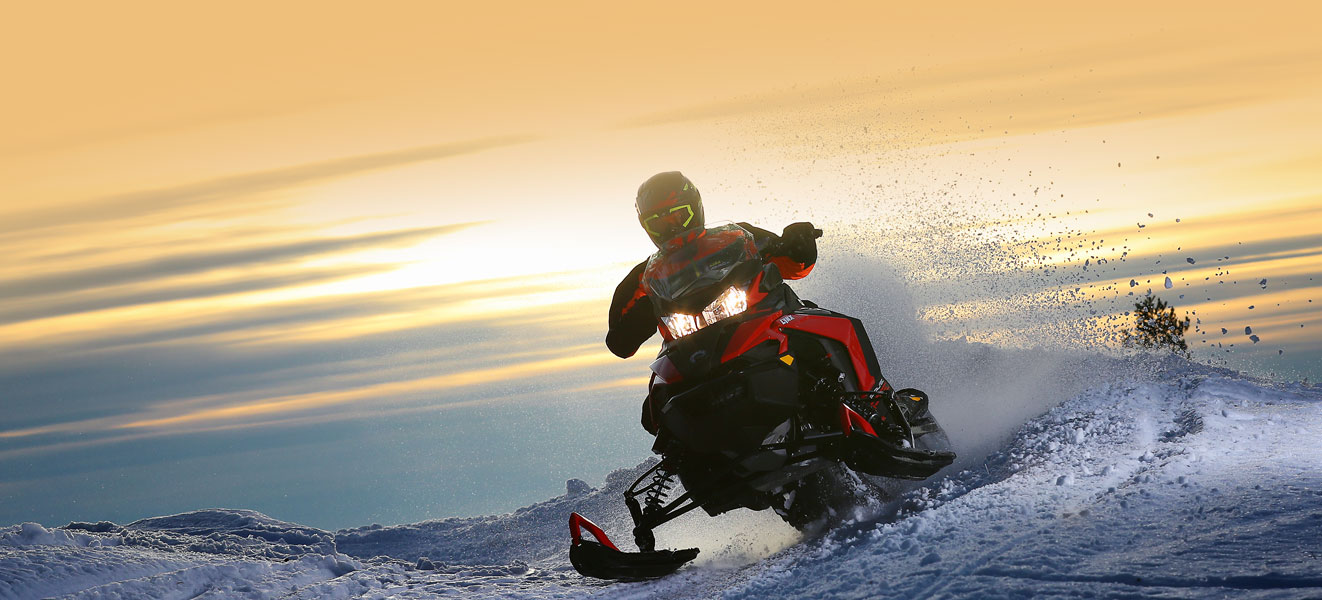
point(668, 205)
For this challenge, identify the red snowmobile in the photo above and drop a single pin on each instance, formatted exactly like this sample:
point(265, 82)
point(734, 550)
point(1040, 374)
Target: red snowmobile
point(755, 396)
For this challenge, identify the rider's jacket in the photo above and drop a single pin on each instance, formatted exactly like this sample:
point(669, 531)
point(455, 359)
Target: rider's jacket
point(632, 319)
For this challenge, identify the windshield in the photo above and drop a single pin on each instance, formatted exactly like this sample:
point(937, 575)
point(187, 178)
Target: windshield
point(685, 274)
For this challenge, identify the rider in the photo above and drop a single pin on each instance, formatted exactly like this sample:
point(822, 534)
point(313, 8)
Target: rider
point(670, 211)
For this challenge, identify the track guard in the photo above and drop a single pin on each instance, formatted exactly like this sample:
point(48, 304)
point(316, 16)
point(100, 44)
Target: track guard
point(601, 559)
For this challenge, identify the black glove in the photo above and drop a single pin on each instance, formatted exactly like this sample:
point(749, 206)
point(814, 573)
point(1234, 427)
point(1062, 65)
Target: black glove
point(799, 242)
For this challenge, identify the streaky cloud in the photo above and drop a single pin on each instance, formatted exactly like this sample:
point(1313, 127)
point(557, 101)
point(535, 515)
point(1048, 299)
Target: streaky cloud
point(80, 380)
point(198, 262)
point(44, 308)
point(419, 389)
point(320, 311)
point(133, 204)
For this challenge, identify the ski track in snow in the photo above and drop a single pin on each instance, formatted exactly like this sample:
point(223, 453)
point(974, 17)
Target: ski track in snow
point(1195, 483)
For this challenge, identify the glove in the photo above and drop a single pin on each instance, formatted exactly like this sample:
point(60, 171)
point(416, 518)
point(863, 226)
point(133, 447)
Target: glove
point(799, 242)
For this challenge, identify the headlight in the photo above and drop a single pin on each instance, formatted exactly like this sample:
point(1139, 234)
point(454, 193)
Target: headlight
point(729, 304)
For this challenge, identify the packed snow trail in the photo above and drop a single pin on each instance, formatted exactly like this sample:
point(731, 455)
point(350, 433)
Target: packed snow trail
point(1194, 483)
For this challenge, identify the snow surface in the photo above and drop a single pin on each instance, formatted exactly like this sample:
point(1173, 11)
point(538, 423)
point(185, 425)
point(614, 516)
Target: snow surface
point(1189, 482)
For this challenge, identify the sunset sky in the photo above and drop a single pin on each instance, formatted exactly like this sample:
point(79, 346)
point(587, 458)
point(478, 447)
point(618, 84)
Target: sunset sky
point(351, 265)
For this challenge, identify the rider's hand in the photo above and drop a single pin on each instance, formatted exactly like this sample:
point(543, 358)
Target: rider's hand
point(799, 241)
point(802, 229)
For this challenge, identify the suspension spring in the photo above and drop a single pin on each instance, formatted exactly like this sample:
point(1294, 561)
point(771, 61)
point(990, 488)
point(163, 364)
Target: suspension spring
point(654, 495)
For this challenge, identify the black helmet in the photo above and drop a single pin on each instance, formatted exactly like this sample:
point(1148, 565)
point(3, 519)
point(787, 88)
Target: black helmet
point(669, 204)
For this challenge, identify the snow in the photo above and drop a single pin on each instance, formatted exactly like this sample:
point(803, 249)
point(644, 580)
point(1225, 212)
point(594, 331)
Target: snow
point(1185, 482)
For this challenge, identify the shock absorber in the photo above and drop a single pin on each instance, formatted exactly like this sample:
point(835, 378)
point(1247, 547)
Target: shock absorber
point(654, 495)
point(653, 504)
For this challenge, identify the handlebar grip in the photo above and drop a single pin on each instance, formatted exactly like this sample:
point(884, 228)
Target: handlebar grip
point(816, 233)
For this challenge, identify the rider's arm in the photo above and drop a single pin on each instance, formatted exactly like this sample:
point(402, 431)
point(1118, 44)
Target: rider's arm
point(794, 252)
point(631, 319)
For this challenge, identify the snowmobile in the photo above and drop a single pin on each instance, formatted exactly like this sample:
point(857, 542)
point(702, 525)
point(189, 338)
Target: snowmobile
point(754, 396)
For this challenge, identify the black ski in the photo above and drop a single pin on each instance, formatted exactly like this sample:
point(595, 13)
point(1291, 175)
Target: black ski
point(601, 559)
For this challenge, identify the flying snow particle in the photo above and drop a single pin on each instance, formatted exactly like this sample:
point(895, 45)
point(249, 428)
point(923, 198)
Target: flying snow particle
point(1254, 338)
point(1224, 331)
point(1263, 283)
point(1248, 330)
point(1189, 260)
point(1133, 283)
point(1169, 285)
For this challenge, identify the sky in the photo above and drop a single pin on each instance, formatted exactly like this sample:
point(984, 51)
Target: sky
point(351, 265)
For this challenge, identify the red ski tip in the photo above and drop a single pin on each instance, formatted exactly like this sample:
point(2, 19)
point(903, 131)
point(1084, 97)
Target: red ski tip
point(576, 521)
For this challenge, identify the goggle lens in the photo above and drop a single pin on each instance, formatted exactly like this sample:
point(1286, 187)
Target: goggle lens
point(669, 222)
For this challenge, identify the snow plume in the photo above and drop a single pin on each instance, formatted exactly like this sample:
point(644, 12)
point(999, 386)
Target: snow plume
point(980, 393)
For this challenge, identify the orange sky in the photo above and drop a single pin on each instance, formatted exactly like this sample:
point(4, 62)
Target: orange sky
point(397, 75)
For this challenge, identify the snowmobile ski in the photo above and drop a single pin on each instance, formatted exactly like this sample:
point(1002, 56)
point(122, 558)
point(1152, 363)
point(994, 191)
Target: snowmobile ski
point(603, 560)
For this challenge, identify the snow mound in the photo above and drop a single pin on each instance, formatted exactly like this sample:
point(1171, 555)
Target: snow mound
point(215, 553)
point(524, 535)
point(228, 531)
point(33, 534)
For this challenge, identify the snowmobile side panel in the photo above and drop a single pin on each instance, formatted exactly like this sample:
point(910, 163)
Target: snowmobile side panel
point(733, 412)
point(841, 329)
point(751, 334)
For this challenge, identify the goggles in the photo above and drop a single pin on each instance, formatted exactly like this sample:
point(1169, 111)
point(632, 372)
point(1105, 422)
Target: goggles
point(666, 223)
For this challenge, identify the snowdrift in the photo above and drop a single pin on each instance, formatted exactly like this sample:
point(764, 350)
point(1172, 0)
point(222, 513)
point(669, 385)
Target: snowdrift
point(1186, 482)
